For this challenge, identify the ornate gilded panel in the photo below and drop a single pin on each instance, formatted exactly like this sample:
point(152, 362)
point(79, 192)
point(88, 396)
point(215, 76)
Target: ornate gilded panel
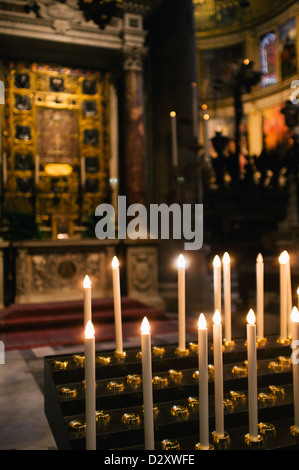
point(56, 140)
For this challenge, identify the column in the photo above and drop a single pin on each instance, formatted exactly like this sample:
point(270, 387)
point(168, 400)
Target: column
point(134, 128)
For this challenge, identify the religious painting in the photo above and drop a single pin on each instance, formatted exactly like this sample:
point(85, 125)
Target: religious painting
point(274, 128)
point(22, 102)
point(23, 161)
point(22, 80)
point(218, 69)
point(23, 132)
point(287, 48)
point(268, 59)
point(57, 135)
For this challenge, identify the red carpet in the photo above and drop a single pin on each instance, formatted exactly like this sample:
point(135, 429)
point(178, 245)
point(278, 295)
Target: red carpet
point(61, 324)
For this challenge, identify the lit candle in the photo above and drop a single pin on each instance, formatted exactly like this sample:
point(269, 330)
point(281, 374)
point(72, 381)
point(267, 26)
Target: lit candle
point(87, 300)
point(36, 170)
point(283, 260)
point(218, 374)
point(217, 283)
point(147, 385)
point(203, 383)
point(117, 305)
point(174, 139)
point(294, 344)
point(252, 377)
point(289, 297)
point(260, 295)
point(298, 296)
point(181, 301)
point(227, 297)
point(90, 387)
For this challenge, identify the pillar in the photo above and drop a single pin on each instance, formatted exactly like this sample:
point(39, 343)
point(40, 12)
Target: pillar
point(134, 127)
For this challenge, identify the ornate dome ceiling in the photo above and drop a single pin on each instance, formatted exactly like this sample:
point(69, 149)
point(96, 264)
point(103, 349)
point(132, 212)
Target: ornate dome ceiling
point(216, 15)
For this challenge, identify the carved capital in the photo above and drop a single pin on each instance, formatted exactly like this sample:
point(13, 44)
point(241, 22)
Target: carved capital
point(133, 58)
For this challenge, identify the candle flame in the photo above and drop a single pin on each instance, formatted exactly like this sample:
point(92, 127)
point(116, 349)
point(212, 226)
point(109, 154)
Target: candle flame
point(145, 326)
point(202, 322)
point(86, 282)
point(259, 258)
point(216, 262)
point(298, 290)
point(251, 317)
point(226, 258)
point(172, 113)
point(89, 330)
point(295, 315)
point(217, 317)
point(284, 257)
point(181, 263)
point(115, 263)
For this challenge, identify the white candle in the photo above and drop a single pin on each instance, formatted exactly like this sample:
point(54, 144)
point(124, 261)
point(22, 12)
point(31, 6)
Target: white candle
point(252, 377)
point(174, 138)
point(203, 383)
point(260, 295)
point(36, 170)
point(87, 300)
point(298, 296)
point(289, 297)
point(90, 387)
point(294, 345)
point(218, 374)
point(217, 283)
point(283, 260)
point(149, 440)
point(117, 305)
point(227, 297)
point(181, 301)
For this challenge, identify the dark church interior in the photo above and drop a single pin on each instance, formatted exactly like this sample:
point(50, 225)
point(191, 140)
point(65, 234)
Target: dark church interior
point(149, 170)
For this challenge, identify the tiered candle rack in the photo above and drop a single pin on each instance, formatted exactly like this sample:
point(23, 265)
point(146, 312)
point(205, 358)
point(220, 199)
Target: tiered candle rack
point(119, 398)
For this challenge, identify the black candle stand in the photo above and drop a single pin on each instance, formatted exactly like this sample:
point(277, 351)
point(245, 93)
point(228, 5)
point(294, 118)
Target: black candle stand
point(119, 398)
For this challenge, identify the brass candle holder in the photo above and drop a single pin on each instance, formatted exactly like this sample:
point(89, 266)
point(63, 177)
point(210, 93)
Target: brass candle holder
point(193, 347)
point(68, 392)
point(170, 444)
point(79, 359)
point(102, 416)
point(158, 351)
point(294, 431)
point(240, 371)
point(103, 360)
point(77, 426)
point(193, 402)
point(179, 411)
point(182, 352)
point(120, 354)
point(60, 365)
point(261, 342)
point(134, 380)
point(277, 390)
point(175, 375)
point(258, 441)
point(223, 441)
point(198, 447)
point(131, 419)
point(266, 397)
point(160, 381)
point(237, 396)
point(267, 428)
point(115, 386)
